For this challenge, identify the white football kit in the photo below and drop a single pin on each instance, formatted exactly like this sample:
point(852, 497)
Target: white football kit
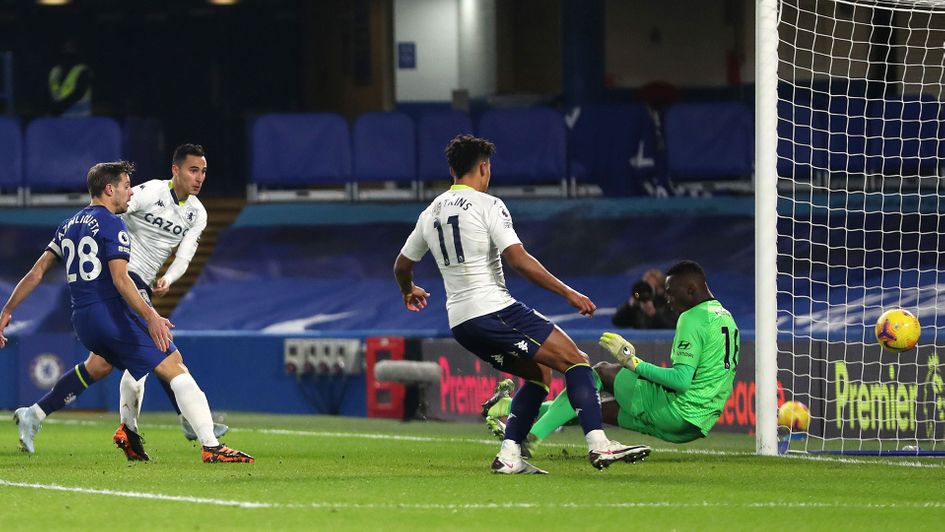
point(158, 222)
point(466, 231)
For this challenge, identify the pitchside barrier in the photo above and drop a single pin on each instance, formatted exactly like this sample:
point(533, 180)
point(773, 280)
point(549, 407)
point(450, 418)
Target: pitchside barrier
point(332, 373)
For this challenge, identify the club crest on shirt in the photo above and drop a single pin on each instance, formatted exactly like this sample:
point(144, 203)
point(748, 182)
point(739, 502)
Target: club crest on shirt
point(191, 215)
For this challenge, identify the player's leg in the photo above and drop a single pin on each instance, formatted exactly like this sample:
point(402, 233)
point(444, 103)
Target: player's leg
point(194, 407)
point(67, 388)
point(131, 394)
point(646, 408)
point(558, 413)
point(560, 353)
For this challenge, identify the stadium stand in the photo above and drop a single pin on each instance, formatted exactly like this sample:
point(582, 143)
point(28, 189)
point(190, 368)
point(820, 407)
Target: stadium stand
point(613, 147)
point(11, 162)
point(709, 142)
point(77, 144)
point(307, 269)
point(385, 153)
point(299, 156)
point(530, 151)
point(434, 131)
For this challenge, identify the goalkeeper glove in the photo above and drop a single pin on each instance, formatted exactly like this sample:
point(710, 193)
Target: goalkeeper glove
point(621, 349)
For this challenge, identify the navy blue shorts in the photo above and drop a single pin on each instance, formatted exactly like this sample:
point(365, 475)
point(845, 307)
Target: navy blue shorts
point(500, 337)
point(113, 331)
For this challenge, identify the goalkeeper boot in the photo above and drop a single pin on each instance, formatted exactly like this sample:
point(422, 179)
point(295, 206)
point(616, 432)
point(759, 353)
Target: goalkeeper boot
point(502, 390)
point(131, 443)
point(222, 453)
point(617, 452)
point(29, 425)
point(515, 467)
point(219, 429)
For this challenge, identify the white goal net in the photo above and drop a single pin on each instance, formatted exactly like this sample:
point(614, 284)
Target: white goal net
point(860, 160)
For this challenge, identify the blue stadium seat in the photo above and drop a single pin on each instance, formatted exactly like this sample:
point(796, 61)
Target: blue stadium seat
point(300, 150)
point(11, 154)
point(434, 131)
point(903, 136)
point(530, 145)
point(142, 142)
point(709, 141)
point(802, 138)
point(60, 151)
point(614, 146)
point(385, 148)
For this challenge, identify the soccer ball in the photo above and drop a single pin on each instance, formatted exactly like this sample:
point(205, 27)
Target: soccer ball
point(794, 415)
point(898, 330)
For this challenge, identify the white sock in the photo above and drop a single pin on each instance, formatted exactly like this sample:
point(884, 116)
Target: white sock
point(194, 407)
point(510, 450)
point(131, 395)
point(38, 411)
point(596, 439)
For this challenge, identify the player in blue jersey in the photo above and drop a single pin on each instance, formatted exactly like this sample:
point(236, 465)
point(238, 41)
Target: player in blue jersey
point(109, 315)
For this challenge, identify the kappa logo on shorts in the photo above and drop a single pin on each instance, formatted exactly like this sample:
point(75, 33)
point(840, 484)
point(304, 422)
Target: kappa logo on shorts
point(499, 359)
point(522, 346)
point(683, 344)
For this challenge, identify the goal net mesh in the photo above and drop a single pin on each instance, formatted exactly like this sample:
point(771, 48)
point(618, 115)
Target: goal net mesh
point(860, 220)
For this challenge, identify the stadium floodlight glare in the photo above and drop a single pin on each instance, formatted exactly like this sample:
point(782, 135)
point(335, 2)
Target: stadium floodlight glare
point(850, 155)
point(53, 2)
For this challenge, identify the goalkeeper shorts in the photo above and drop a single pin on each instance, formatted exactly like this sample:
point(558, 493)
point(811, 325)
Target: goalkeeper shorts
point(645, 407)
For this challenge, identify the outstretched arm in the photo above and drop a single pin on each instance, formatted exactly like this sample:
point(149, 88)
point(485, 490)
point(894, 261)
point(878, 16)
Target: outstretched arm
point(529, 267)
point(415, 298)
point(677, 378)
point(24, 288)
point(185, 253)
point(159, 328)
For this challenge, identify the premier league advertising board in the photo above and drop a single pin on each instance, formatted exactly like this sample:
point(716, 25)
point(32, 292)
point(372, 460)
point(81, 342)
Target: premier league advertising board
point(852, 391)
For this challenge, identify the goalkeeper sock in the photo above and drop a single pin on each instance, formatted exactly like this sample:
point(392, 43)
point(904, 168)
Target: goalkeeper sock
point(558, 412)
point(67, 389)
point(131, 394)
point(525, 407)
point(584, 397)
point(193, 405)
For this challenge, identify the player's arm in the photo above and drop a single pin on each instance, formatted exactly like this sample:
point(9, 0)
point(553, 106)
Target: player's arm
point(158, 327)
point(24, 288)
point(528, 267)
point(415, 298)
point(185, 253)
point(677, 378)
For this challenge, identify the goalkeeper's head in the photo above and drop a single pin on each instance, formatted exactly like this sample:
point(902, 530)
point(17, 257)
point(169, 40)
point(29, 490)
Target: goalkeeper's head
point(686, 286)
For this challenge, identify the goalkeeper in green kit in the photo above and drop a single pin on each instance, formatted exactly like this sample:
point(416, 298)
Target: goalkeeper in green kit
point(677, 404)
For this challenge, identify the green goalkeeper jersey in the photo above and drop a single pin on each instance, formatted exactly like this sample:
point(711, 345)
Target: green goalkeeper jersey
point(706, 339)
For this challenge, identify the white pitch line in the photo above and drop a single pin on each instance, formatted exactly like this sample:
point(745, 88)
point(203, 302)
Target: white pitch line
point(318, 505)
point(435, 439)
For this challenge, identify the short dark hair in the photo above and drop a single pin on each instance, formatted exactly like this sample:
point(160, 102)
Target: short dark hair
point(184, 150)
point(686, 267)
point(466, 151)
point(103, 174)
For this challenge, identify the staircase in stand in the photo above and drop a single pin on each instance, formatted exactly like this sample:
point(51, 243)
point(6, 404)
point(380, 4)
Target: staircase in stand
point(221, 212)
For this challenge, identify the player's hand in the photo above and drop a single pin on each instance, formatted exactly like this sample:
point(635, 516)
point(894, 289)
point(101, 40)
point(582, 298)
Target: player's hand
point(160, 330)
point(621, 349)
point(5, 318)
point(416, 299)
point(161, 287)
point(581, 302)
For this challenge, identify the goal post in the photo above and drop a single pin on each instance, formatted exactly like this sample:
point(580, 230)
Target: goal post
point(850, 221)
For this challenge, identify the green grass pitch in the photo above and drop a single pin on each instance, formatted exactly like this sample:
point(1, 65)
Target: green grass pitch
point(330, 473)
